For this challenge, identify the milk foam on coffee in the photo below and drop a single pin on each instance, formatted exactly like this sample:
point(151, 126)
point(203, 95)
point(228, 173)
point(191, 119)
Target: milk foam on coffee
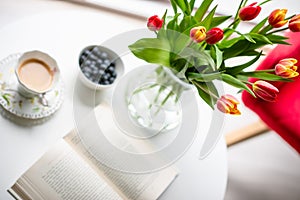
point(36, 75)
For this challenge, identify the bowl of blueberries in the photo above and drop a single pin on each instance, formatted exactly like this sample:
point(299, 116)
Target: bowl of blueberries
point(100, 67)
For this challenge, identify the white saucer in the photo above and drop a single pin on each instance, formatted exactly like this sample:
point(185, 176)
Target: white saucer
point(14, 103)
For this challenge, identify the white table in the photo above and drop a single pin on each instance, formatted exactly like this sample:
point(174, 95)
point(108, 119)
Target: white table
point(62, 30)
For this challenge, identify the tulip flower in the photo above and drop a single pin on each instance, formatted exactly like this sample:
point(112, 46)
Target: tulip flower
point(277, 18)
point(154, 23)
point(228, 104)
point(265, 91)
point(249, 12)
point(198, 34)
point(286, 68)
point(214, 35)
point(294, 23)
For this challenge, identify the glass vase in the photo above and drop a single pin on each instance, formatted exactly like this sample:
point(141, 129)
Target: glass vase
point(153, 98)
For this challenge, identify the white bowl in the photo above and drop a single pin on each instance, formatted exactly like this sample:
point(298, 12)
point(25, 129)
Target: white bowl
point(114, 57)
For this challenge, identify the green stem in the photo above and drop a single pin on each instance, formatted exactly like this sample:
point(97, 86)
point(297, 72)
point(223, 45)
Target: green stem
point(264, 2)
point(279, 30)
point(247, 82)
point(265, 29)
point(233, 22)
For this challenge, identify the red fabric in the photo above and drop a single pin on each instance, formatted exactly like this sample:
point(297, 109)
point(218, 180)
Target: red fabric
point(282, 116)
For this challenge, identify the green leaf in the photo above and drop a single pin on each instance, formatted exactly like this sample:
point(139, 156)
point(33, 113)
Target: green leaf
point(229, 43)
point(236, 83)
point(205, 90)
point(6, 98)
point(206, 22)
point(277, 39)
point(264, 76)
point(256, 28)
point(186, 23)
point(203, 77)
point(152, 50)
point(192, 3)
point(217, 55)
point(216, 21)
point(174, 6)
point(261, 38)
point(236, 50)
point(237, 69)
point(182, 5)
point(173, 23)
point(202, 9)
point(249, 38)
point(164, 17)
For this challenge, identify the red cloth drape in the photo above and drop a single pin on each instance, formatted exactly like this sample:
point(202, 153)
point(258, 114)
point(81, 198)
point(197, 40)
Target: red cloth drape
point(283, 116)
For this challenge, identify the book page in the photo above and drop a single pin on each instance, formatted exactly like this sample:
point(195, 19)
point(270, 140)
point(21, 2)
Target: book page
point(63, 175)
point(132, 186)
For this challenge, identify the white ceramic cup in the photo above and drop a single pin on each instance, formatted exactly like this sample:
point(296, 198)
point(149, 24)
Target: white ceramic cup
point(37, 73)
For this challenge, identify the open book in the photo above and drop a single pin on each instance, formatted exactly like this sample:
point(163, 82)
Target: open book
point(69, 171)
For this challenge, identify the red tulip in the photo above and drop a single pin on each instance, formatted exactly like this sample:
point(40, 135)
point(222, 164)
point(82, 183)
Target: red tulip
point(214, 35)
point(265, 90)
point(294, 23)
point(228, 104)
point(154, 23)
point(286, 68)
point(277, 18)
point(249, 12)
point(198, 34)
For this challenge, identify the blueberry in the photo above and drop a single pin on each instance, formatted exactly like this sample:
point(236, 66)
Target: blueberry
point(88, 62)
point(114, 74)
point(82, 59)
point(93, 57)
point(103, 55)
point(106, 82)
point(110, 69)
point(112, 64)
point(105, 77)
point(107, 62)
point(101, 72)
point(100, 61)
point(103, 66)
point(86, 74)
point(111, 79)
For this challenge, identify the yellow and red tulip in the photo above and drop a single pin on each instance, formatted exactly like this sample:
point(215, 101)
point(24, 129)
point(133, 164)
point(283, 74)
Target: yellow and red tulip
point(154, 23)
point(198, 34)
point(294, 23)
point(228, 104)
point(249, 12)
point(265, 91)
point(214, 35)
point(286, 68)
point(277, 18)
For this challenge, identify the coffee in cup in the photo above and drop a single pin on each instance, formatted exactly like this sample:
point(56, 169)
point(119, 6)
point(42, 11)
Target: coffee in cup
point(37, 73)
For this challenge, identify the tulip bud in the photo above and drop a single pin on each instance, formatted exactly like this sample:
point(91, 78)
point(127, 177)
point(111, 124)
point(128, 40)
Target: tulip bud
point(198, 34)
point(294, 23)
point(214, 35)
point(154, 23)
point(228, 104)
point(249, 12)
point(277, 18)
point(265, 90)
point(286, 68)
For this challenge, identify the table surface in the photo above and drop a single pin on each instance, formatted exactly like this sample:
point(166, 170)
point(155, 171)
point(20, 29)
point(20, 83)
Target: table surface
point(62, 30)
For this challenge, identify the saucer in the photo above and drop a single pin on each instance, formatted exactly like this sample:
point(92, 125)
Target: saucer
point(13, 102)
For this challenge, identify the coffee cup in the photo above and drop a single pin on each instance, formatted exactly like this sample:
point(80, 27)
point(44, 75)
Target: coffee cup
point(37, 73)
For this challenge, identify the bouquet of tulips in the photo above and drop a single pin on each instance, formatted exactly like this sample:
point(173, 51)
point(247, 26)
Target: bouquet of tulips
point(196, 45)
